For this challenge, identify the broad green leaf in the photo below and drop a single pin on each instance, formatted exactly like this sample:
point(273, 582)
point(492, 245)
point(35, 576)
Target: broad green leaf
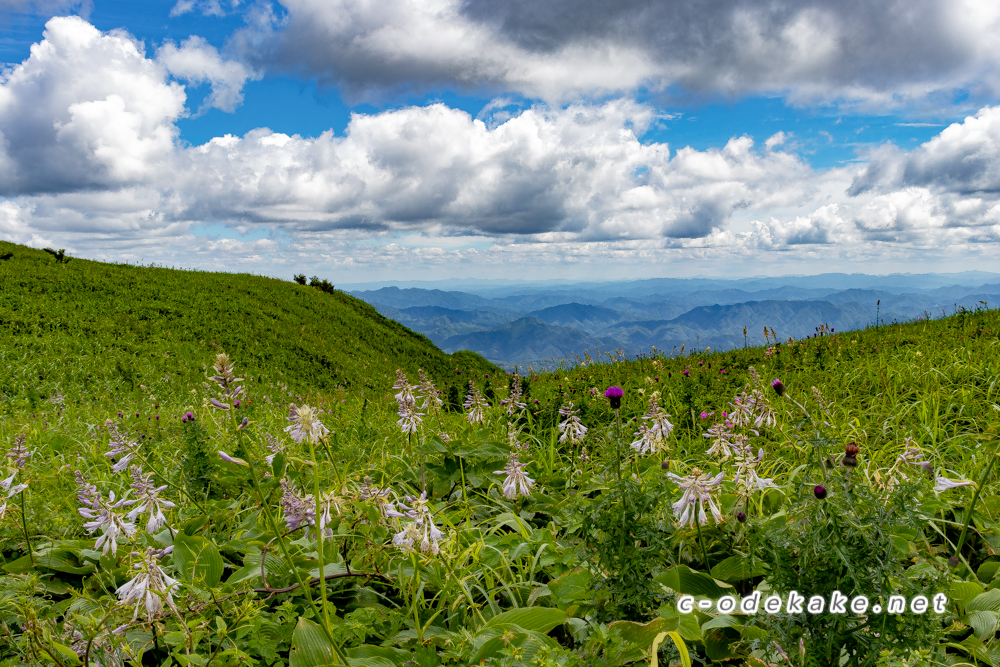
point(737, 568)
point(984, 623)
point(686, 581)
point(987, 572)
point(310, 647)
point(387, 654)
point(721, 621)
point(278, 465)
point(643, 634)
point(964, 592)
point(988, 601)
point(197, 559)
point(572, 586)
point(717, 644)
point(537, 619)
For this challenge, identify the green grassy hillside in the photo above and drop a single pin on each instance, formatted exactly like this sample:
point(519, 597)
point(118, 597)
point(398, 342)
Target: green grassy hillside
point(95, 326)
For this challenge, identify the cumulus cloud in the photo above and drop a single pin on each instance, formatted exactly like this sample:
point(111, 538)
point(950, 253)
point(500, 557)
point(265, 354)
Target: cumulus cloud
point(89, 154)
point(85, 110)
point(874, 53)
point(196, 61)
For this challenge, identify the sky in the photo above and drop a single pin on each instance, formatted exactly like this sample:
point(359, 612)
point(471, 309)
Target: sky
point(381, 140)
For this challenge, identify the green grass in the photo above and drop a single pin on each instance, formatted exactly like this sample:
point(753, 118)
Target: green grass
point(586, 571)
point(96, 328)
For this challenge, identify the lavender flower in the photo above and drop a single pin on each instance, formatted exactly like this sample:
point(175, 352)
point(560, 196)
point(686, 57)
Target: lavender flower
point(514, 402)
point(944, 484)
point(405, 394)
point(746, 469)
point(516, 481)
point(150, 587)
point(431, 395)
point(420, 530)
point(305, 424)
point(475, 404)
point(378, 496)
point(409, 419)
point(103, 515)
point(752, 409)
point(571, 428)
point(148, 500)
point(275, 447)
point(299, 510)
point(226, 378)
point(18, 453)
point(654, 430)
point(723, 440)
point(12, 490)
point(119, 448)
point(698, 489)
point(232, 459)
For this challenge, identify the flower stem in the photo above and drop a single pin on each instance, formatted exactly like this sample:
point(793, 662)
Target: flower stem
point(701, 543)
point(975, 498)
point(24, 527)
point(319, 537)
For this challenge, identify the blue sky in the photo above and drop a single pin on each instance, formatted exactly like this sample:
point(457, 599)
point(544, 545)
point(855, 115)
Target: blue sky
point(446, 139)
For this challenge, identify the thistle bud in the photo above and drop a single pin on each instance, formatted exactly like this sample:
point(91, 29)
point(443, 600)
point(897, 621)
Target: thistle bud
point(741, 517)
point(850, 455)
point(778, 387)
point(820, 492)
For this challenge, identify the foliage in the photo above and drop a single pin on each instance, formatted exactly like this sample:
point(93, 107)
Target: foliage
point(340, 537)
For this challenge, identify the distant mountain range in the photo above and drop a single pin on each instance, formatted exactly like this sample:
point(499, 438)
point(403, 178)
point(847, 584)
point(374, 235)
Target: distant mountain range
point(542, 324)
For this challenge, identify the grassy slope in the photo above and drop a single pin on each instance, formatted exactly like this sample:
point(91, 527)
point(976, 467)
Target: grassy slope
point(100, 325)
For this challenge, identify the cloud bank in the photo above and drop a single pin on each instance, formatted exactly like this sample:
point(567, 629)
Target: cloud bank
point(89, 153)
point(854, 52)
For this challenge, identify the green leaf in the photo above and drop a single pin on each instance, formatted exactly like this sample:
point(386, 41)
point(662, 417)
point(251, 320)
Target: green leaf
point(988, 601)
point(686, 581)
point(310, 647)
point(984, 623)
point(643, 634)
point(737, 568)
point(678, 642)
point(572, 586)
point(197, 559)
point(963, 592)
point(278, 465)
point(537, 619)
point(722, 621)
point(987, 572)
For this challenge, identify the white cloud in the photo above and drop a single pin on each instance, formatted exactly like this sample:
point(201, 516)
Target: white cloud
point(872, 54)
point(91, 162)
point(196, 61)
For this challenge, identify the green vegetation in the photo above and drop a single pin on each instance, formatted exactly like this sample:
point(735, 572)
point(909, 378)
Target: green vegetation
point(423, 555)
point(101, 327)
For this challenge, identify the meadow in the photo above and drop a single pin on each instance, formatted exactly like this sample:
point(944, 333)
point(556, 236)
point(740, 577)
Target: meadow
point(217, 498)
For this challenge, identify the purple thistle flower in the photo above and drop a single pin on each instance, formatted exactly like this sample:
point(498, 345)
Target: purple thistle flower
point(778, 387)
point(614, 395)
point(820, 492)
point(189, 416)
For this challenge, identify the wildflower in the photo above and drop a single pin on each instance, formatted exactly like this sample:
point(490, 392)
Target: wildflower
point(379, 496)
point(305, 424)
point(275, 447)
point(218, 404)
point(944, 484)
point(819, 491)
point(119, 446)
point(654, 430)
point(614, 395)
point(420, 530)
point(18, 453)
point(516, 482)
point(232, 459)
point(513, 403)
point(103, 515)
point(850, 455)
point(778, 387)
point(11, 489)
point(405, 394)
point(475, 404)
point(571, 428)
point(723, 440)
point(746, 468)
point(148, 500)
point(409, 419)
point(431, 395)
point(150, 587)
point(698, 489)
point(299, 510)
point(753, 409)
point(741, 517)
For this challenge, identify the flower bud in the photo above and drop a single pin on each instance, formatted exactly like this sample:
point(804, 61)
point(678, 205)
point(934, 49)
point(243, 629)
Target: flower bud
point(850, 455)
point(741, 517)
point(819, 492)
point(778, 387)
